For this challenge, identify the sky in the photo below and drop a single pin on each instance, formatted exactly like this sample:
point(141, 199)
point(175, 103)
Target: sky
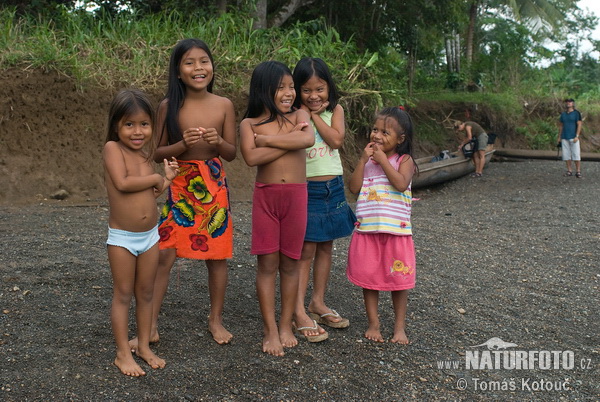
point(594, 7)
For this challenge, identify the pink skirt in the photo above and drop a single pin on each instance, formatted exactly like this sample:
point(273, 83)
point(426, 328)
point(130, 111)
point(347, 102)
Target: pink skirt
point(381, 261)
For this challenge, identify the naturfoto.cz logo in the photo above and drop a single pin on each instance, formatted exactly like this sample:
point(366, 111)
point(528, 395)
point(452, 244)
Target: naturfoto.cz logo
point(498, 356)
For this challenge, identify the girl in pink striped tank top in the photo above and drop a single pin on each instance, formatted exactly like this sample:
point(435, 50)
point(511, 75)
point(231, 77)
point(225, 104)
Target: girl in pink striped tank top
point(381, 256)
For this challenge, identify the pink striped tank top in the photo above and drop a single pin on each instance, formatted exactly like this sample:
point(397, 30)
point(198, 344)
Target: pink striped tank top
point(380, 207)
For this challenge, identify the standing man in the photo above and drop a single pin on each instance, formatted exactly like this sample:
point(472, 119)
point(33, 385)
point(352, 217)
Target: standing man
point(474, 130)
point(568, 137)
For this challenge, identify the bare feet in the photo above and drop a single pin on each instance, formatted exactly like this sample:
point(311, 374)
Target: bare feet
point(218, 331)
point(374, 334)
point(133, 343)
point(149, 357)
point(287, 338)
point(400, 337)
point(272, 345)
point(128, 366)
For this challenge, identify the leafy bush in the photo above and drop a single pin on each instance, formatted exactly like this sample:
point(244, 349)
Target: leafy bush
point(539, 134)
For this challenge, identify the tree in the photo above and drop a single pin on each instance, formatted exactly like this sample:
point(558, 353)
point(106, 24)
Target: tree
point(276, 13)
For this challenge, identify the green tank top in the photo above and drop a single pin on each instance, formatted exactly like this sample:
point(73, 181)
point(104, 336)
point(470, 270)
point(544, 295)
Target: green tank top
point(321, 159)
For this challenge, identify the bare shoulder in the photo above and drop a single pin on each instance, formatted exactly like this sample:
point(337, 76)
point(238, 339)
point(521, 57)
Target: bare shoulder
point(220, 100)
point(338, 109)
point(110, 146)
point(298, 116)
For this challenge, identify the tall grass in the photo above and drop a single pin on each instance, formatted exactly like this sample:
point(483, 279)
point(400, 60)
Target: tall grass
point(128, 50)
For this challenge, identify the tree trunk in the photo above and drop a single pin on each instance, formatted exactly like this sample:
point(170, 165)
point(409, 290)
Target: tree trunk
point(449, 55)
point(260, 15)
point(222, 6)
point(286, 11)
point(471, 32)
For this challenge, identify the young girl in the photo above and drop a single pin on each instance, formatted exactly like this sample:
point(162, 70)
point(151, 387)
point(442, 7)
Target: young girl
point(197, 127)
point(273, 138)
point(329, 215)
point(381, 255)
point(132, 186)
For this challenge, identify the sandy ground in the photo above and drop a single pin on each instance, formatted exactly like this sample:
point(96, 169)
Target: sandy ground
point(513, 255)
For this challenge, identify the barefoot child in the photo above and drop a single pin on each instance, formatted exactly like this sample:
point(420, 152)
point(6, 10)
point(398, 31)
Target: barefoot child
point(274, 139)
point(198, 128)
point(329, 215)
point(132, 186)
point(381, 255)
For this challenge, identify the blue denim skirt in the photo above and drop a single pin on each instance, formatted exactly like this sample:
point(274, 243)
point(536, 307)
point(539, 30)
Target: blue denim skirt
point(329, 215)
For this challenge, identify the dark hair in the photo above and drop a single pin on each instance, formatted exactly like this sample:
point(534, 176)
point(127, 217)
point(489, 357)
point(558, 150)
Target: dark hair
point(313, 66)
point(569, 100)
point(125, 103)
point(404, 125)
point(264, 84)
point(176, 88)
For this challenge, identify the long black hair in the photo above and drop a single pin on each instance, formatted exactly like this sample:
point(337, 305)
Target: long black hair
point(264, 84)
point(308, 67)
point(176, 89)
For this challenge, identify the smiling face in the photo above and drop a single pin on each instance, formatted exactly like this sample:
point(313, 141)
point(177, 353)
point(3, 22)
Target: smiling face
point(285, 95)
point(196, 69)
point(135, 130)
point(387, 134)
point(314, 92)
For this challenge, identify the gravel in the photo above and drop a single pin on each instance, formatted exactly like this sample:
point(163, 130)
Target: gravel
point(512, 255)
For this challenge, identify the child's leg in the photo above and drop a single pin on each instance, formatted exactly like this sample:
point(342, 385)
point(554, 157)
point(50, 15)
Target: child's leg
point(371, 305)
point(217, 286)
point(122, 266)
point(301, 318)
point(145, 275)
point(288, 282)
point(166, 260)
point(321, 273)
point(400, 301)
point(266, 275)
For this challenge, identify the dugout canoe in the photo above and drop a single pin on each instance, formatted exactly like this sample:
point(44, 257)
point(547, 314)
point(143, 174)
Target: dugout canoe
point(542, 154)
point(431, 173)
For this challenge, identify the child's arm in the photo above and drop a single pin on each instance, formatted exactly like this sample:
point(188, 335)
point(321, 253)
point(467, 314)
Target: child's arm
point(356, 179)
point(300, 137)
point(226, 142)
point(171, 171)
point(254, 155)
point(164, 149)
point(400, 178)
point(333, 135)
point(114, 163)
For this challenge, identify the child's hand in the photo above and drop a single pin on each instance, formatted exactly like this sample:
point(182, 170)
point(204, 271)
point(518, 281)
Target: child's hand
point(323, 108)
point(171, 168)
point(260, 140)
point(211, 136)
point(367, 152)
point(378, 155)
point(300, 126)
point(191, 136)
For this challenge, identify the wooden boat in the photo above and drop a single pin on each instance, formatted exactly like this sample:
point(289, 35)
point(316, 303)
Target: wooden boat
point(542, 154)
point(437, 172)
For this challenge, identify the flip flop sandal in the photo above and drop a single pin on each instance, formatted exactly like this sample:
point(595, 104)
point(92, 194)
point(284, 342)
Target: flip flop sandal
point(311, 338)
point(578, 175)
point(322, 319)
point(568, 173)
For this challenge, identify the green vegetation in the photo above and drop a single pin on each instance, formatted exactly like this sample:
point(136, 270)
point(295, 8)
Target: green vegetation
point(123, 51)
point(115, 49)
